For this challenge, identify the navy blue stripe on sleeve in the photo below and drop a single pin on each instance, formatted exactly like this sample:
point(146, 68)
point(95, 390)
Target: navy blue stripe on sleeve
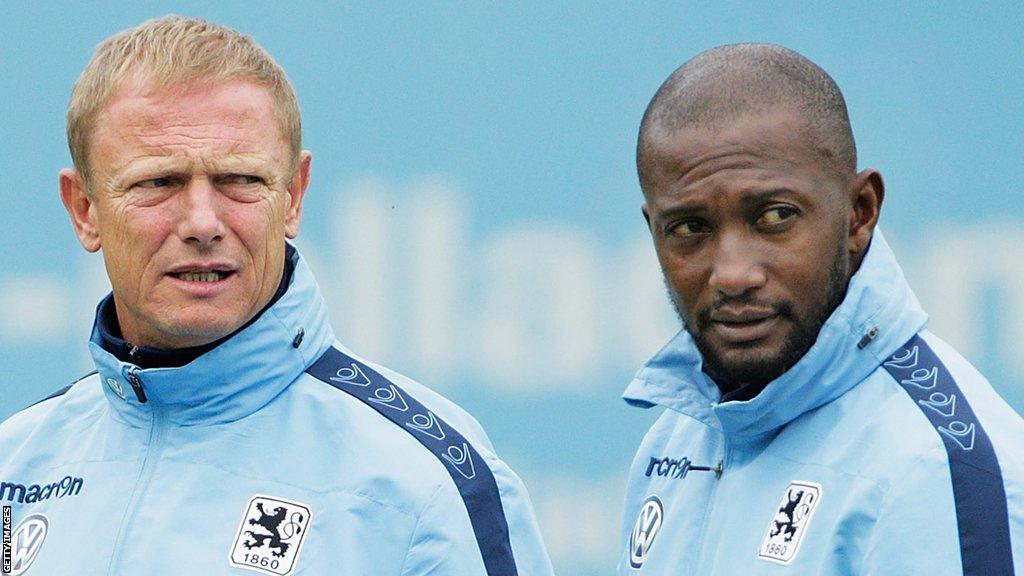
point(467, 468)
point(981, 512)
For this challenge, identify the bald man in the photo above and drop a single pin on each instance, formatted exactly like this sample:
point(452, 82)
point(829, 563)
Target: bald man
point(811, 424)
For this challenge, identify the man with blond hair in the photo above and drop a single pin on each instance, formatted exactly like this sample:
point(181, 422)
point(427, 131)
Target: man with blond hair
point(224, 428)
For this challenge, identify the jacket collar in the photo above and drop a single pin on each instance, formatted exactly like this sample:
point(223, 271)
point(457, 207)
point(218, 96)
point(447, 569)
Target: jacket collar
point(878, 300)
point(236, 377)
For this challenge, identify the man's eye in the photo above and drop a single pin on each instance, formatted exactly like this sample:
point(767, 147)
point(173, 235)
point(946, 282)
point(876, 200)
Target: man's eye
point(154, 183)
point(242, 179)
point(687, 228)
point(776, 215)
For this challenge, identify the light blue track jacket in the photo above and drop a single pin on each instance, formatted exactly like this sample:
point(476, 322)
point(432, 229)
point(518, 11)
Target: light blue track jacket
point(273, 453)
point(881, 452)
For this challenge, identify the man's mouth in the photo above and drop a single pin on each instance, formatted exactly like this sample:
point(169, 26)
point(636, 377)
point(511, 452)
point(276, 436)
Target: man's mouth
point(745, 315)
point(202, 272)
point(198, 276)
point(742, 325)
point(740, 332)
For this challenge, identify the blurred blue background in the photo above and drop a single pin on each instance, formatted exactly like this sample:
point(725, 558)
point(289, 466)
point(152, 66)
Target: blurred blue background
point(474, 213)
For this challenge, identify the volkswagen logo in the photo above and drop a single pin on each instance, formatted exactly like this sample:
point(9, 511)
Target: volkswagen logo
point(648, 524)
point(26, 541)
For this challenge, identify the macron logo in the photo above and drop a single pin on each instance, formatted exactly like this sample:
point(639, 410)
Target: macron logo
point(22, 494)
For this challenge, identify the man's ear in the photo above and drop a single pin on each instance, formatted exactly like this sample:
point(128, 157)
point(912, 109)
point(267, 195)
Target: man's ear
point(866, 194)
point(296, 191)
point(80, 208)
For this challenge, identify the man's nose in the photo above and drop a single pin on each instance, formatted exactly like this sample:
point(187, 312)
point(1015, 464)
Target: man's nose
point(738, 267)
point(200, 221)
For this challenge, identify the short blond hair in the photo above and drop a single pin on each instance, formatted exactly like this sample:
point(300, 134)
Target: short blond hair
point(168, 51)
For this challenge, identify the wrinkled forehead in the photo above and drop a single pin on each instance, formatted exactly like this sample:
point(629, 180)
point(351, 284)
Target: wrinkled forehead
point(147, 100)
point(773, 139)
point(147, 113)
point(208, 123)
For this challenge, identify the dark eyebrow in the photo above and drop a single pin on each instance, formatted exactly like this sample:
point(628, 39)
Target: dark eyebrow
point(750, 200)
point(684, 209)
point(754, 198)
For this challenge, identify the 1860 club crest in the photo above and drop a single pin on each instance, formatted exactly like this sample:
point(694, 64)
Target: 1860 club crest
point(787, 528)
point(270, 537)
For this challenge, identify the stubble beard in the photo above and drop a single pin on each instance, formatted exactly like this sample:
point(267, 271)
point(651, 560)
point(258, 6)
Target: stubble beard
point(760, 371)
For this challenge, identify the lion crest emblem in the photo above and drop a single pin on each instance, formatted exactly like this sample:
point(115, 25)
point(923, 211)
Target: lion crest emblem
point(270, 536)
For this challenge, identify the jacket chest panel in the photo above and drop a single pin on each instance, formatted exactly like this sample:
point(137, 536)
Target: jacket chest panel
point(768, 512)
point(779, 516)
point(189, 523)
point(672, 486)
point(222, 518)
point(66, 518)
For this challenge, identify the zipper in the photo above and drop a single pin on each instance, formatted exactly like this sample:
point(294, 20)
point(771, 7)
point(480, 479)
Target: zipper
point(136, 383)
point(153, 448)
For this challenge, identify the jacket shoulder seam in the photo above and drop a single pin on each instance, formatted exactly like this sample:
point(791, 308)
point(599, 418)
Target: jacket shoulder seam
point(57, 393)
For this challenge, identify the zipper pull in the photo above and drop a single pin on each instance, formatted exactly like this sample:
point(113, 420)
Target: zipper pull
point(136, 383)
point(719, 468)
point(867, 338)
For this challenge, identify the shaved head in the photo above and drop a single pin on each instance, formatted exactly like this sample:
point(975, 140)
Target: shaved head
point(737, 80)
point(758, 216)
